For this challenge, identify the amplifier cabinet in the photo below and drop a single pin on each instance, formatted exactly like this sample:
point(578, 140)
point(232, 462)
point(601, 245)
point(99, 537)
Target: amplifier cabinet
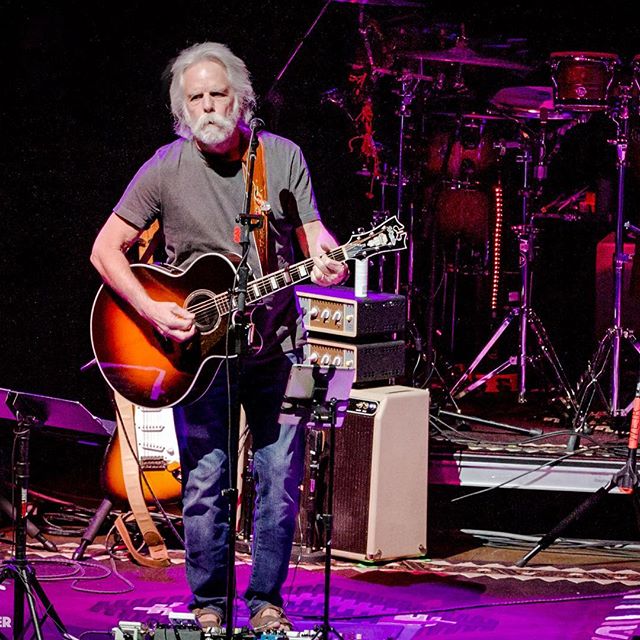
point(380, 479)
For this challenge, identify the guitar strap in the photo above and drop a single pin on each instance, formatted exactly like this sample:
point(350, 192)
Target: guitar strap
point(148, 242)
point(158, 554)
point(260, 204)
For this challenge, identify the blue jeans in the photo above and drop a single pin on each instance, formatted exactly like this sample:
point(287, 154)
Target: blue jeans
point(202, 430)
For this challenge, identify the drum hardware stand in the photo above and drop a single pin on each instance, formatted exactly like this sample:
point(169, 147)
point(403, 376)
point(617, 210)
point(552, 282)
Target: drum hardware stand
point(380, 215)
point(407, 94)
point(25, 583)
point(626, 480)
point(611, 342)
point(523, 314)
point(429, 209)
point(452, 290)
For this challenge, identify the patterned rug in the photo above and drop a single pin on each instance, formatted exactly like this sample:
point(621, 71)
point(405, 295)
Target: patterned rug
point(407, 599)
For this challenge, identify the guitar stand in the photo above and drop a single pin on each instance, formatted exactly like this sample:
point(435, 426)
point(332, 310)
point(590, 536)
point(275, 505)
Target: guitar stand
point(25, 583)
point(626, 480)
point(307, 398)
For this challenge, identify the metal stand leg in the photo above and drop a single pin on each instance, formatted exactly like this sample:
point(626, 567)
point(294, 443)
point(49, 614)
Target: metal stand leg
point(611, 343)
point(526, 234)
point(457, 391)
point(101, 514)
point(626, 479)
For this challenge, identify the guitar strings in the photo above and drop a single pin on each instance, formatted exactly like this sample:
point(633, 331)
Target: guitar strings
point(222, 303)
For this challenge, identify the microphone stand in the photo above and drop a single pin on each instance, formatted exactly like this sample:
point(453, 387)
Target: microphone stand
point(272, 97)
point(248, 223)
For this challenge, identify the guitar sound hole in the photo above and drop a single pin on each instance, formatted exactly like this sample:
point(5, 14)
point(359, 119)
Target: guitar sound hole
point(202, 303)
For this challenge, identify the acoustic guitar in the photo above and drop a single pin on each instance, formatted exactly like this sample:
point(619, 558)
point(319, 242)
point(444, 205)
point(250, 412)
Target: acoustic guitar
point(155, 372)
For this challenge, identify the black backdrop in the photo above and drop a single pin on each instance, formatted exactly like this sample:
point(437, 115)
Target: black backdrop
point(84, 105)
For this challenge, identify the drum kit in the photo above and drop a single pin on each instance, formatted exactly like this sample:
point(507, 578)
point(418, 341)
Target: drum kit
point(459, 216)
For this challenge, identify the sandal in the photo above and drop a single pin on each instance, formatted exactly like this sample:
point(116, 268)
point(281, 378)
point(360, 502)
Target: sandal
point(271, 618)
point(208, 618)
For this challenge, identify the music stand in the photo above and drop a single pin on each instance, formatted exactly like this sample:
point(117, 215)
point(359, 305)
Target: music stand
point(30, 410)
point(60, 413)
point(317, 397)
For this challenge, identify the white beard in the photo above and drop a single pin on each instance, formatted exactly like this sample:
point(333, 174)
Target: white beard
point(214, 129)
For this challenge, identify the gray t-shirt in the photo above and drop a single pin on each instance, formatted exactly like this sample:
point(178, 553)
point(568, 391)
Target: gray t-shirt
point(198, 198)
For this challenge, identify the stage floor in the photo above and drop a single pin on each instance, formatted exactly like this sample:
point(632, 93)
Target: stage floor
point(492, 493)
point(467, 586)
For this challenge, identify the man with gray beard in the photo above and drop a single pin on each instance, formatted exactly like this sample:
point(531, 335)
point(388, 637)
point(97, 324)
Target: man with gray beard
point(195, 188)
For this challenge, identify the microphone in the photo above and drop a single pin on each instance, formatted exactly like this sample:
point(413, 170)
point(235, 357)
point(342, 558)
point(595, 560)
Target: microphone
point(255, 125)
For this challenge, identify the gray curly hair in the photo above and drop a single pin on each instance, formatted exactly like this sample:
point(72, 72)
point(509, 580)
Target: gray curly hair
point(237, 72)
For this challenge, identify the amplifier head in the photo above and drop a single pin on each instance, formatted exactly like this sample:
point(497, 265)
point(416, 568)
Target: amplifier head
point(372, 360)
point(337, 311)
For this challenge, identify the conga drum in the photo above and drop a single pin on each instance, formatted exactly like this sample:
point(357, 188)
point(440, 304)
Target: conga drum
point(583, 80)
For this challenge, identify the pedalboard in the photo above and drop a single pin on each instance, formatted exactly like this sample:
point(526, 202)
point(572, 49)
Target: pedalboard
point(191, 631)
point(337, 311)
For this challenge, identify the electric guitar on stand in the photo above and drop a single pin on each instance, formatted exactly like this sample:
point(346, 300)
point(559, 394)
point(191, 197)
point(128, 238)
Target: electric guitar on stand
point(154, 372)
point(156, 449)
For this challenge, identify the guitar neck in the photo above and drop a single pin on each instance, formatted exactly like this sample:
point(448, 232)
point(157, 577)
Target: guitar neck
point(276, 281)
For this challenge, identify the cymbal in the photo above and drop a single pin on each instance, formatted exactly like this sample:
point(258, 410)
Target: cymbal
point(462, 54)
point(384, 3)
point(471, 115)
point(396, 73)
point(402, 74)
point(529, 102)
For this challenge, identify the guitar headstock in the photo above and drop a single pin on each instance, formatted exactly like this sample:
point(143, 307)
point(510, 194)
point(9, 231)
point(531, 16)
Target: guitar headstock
point(389, 235)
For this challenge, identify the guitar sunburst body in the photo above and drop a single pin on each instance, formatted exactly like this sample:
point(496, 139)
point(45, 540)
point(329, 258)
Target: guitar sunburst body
point(143, 365)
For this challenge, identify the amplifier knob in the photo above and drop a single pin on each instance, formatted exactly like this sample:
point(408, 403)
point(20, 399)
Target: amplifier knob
point(326, 359)
point(337, 317)
point(348, 364)
point(313, 312)
point(337, 361)
point(325, 315)
point(313, 357)
point(349, 318)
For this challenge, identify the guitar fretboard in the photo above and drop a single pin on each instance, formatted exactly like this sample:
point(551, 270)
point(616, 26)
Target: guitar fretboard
point(269, 284)
point(387, 236)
